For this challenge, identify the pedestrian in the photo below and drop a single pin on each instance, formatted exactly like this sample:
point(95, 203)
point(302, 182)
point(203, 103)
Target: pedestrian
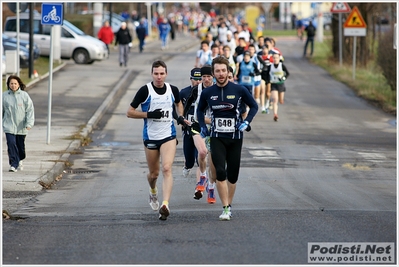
point(310, 32)
point(173, 27)
point(202, 142)
point(164, 29)
point(189, 150)
point(157, 100)
point(278, 74)
point(299, 28)
point(18, 119)
point(123, 40)
point(293, 21)
point(106, 35)
point(141, 32)
point(224, 99)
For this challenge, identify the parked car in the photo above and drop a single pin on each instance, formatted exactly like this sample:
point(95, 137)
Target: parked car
point(22, 43)
point(3, 65)
point(75, 44)
point(23, 53)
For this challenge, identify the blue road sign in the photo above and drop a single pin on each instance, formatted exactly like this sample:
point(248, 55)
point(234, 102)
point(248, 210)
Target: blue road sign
point(52, 14)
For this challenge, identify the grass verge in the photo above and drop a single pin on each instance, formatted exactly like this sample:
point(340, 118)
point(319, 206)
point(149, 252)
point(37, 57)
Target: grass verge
point(41, 65)
point(369, 83)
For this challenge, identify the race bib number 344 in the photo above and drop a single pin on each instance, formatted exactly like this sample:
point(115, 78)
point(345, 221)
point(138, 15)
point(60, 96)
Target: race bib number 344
point(225, 125)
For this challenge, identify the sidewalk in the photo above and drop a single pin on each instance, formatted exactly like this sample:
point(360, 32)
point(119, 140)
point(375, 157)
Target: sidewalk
point(81, 95)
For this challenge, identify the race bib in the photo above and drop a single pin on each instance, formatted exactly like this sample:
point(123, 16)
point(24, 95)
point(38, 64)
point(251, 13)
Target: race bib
point(166, 115)
point(246, 79)
point(190, 118)
point(225, 125)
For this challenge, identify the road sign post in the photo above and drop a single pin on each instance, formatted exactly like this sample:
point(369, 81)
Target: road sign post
point(52, 14)
point(355, 26)
point(340, 8)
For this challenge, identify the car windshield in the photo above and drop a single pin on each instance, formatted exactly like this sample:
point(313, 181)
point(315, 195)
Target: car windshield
point(73, 28)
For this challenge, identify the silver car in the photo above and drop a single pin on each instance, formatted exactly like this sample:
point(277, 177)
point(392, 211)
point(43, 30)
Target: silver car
point(75, 44)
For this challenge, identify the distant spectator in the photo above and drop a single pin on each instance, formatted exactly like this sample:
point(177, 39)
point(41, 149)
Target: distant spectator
point(141, 32)
point(123, 39)
point(106, 35)
point(311, 31)
point(164, 29)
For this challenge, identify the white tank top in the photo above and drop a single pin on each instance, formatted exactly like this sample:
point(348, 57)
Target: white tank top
point(158, 129)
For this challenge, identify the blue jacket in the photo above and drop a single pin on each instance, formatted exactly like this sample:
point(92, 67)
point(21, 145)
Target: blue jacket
point(164, 29)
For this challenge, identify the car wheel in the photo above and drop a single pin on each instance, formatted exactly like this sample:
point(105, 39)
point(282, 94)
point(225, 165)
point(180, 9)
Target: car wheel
point(81, 56)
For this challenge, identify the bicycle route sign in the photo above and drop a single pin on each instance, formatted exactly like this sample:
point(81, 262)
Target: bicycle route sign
point(52, 14)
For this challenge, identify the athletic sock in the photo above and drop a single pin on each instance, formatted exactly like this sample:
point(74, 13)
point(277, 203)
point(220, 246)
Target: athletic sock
point(267, 103)
point(153, 191)
point(165, 203)
point(211, 185)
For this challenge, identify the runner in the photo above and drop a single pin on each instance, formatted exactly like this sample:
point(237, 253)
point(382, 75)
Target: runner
point(224, 100)
point(278, 73)
point(203, 55)
point(189, 150)
point(157, 99)
point(201, 142)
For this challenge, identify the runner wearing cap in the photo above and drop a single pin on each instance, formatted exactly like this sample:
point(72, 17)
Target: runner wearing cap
point(189, 150)
point(202, 143)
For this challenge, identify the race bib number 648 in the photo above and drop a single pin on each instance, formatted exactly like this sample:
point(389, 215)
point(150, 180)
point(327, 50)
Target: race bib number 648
point(225, 125)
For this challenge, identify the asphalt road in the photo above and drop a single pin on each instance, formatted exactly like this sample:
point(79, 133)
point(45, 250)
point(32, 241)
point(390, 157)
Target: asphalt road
point(326, 172)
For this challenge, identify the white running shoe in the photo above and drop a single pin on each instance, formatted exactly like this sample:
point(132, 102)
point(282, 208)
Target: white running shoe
point(12, 169)
point(20, 165)
point(154, 201)
point(225, 216)
point(186, 172)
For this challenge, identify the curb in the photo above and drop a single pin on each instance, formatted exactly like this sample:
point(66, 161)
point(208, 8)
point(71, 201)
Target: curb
point(58, 169)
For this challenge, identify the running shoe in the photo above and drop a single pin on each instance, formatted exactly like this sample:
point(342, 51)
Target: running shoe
point(12, 169)
point(263, 111)
point(211, 196)
point(229, 208)
point(154, 201)
point(20, 165)
point(225, 216)
point(275, 117)
point(201, 184)
point(197, 194)
point(267, 111)
point(164, 212)
point(186, 172)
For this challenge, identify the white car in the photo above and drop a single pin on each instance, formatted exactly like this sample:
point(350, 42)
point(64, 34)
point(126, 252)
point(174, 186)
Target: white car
point(3, 65)
point(75, 44)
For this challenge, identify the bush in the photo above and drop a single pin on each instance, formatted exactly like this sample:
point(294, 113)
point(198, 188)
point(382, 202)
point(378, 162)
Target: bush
point(387, 58)
point(83, 22)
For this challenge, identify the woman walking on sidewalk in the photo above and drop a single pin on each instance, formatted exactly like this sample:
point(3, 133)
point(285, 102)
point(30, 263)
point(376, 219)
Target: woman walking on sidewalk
point(18, 119)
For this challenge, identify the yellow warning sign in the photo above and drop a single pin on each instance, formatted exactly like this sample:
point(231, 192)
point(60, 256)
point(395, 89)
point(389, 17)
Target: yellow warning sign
point(355, 19)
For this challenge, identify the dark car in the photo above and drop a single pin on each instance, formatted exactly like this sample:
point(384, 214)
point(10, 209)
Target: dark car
point(22, 43)
point(23, 53)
